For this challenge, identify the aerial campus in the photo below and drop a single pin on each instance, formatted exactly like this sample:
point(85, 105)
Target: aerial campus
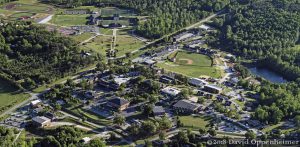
point(149, 73)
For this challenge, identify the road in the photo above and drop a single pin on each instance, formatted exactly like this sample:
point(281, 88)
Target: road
point(10, 110)
point(46, 20)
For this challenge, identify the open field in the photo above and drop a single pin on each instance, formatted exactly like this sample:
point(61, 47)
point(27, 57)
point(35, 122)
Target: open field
point(69, 20)
point(9, 95)
point(110, 11)
point(18, 15)
point(126, 43)
point(122, 22)
point(98, 44)
point(195, 122)
point(106, 31)
point(24, 6)
point(82, 37)
point(191, 64)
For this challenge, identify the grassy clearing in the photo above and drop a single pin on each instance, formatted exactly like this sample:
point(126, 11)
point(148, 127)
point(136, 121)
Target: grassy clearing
point(126, 43)
point(18, 15)
point(82, 37)
point(192, 65)
point(98, 44)
point(69, 20)
point(106, 31)
point(271, 127)
point(195, 122)
point(110, 11)
point(122, 22)
point(89, 115)
point(9, 95)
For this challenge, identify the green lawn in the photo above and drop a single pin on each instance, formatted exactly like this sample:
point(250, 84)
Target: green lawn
point(106, 31)
point(69, 20)
point(9, 95)
point(122, 22)
point(126, 43)
point(98, 44)
point(192, 65)
point(82, 37)
point(195, 122)
point(18, 15)
point(110, 11)
point(89, 115)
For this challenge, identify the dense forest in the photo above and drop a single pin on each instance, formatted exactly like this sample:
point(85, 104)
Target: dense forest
point(268, 32)
point(263, 30)
point(166, 16)
point(30, 55)
point(58, 137)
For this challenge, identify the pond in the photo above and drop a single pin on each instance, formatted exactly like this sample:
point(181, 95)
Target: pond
point(267, 74)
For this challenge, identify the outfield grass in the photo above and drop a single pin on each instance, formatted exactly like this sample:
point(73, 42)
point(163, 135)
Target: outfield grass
point(82, 37)
point(69, 20)
point(192, 65)
point(9, 95)
point(195, 122)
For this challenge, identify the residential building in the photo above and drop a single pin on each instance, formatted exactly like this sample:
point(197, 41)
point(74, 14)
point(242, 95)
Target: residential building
point(170, 91)
point(118, 103)
point(212, 89)
point(186, 106)
point(41, 121)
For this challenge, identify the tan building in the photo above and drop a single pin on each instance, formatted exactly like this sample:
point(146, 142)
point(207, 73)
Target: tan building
point(118, 103)
point(41, 121)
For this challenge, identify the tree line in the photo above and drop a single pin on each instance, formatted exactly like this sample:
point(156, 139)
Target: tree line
point(30, 55)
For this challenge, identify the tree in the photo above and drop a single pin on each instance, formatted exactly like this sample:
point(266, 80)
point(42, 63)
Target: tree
point(297, 120)
point(119, 120)
point(212, 132)
point(148, 128)
point(250, 135)
point(202, 131)
point(164, 123)
point(162, 135)
point(182, 137)
point(148, 109)
point(95, 143)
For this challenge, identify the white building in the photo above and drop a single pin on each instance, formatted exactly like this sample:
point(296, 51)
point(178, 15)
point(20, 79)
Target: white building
point(34, 103)
point(171, 91)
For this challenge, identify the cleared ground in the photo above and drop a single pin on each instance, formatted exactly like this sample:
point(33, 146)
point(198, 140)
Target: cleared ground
point(69, 20)
point(191, 64)
point(195, 122)
point(9, 95)
point(110, 11)
point(124, 44)
point(82, 37)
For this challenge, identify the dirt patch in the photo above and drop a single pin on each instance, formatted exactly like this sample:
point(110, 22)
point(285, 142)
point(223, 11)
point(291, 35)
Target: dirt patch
point(10, 6)
point(188, 61)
